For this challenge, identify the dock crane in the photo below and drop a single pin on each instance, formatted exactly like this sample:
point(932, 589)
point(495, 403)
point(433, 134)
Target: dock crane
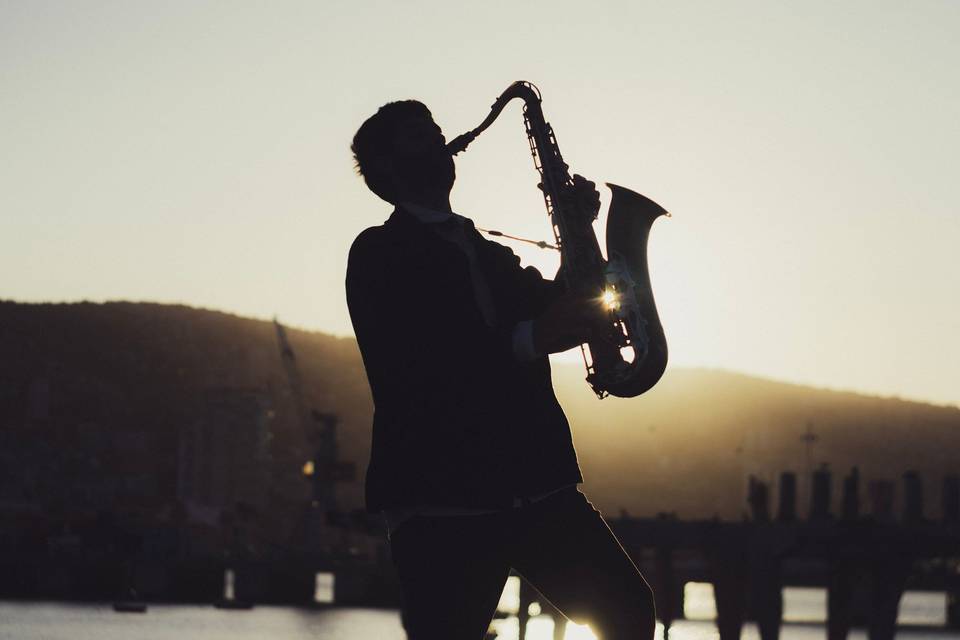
point(320, 430)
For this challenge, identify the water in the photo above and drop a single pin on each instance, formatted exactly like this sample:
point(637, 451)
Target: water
point(809, 604)
point(57, 621)
point(54, 621)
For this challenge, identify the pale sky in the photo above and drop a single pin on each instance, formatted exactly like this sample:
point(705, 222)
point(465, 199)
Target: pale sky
point(197, 152)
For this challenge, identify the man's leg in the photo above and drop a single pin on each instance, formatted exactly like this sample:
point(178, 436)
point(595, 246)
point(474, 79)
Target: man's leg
point(452, 570)
point(569, 554)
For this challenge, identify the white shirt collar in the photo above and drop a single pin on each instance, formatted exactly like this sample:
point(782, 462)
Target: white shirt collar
point(427, 215)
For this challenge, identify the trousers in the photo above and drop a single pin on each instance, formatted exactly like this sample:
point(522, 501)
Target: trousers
point(452, 570)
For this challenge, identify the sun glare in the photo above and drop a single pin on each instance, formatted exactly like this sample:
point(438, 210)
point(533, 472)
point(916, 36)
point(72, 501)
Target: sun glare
point(578, 632)
point(610, 299)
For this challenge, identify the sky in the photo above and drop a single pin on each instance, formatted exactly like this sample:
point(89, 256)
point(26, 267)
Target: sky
point(198, 153)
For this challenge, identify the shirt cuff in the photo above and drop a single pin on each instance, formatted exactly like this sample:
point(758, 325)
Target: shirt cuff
point(523, 349)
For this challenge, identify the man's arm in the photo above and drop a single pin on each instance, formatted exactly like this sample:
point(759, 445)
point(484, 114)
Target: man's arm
point(555, 320)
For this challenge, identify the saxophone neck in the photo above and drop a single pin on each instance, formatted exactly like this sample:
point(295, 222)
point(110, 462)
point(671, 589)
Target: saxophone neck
point(522, 89)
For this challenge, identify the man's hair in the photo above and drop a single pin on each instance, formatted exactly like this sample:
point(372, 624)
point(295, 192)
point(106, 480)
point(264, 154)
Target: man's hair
point(374, 139)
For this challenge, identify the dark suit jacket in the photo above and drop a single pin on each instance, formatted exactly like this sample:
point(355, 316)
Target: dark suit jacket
point(458, 421)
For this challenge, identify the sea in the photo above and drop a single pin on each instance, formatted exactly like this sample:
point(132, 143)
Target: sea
point(804, 612)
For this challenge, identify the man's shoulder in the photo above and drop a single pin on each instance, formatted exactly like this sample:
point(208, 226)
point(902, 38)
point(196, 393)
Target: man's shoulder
point(379, 249)
point(392, 232)
point(374, 240)
point(367, 250)
point(369, 237)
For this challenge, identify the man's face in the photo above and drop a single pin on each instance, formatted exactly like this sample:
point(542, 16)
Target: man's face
point(420, 159)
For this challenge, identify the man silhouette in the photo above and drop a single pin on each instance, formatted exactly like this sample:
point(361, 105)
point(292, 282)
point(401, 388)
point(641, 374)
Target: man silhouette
point(472, 462)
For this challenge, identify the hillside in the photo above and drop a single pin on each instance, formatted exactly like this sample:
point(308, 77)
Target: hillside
point(690, 444)
point(686, 446)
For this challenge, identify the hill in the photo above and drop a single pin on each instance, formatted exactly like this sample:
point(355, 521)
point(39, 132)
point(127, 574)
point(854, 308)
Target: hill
point(687, 446)
point(690, 444)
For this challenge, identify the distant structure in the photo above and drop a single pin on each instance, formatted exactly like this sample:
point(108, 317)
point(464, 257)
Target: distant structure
point(809, 438)
point(324, 468)
point(864, 561)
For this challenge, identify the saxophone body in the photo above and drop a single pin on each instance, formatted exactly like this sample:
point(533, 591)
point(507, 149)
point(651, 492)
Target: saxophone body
point(630, 355)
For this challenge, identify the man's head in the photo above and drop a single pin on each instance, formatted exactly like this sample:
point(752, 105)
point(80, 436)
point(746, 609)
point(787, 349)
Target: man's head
point(401, 153)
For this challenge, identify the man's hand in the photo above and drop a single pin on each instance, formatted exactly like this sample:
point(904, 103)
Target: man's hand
point(570, 320)
point(582, 196)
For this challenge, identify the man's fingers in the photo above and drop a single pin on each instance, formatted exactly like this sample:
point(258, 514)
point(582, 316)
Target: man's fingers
point(574, 318)
point(579, 179)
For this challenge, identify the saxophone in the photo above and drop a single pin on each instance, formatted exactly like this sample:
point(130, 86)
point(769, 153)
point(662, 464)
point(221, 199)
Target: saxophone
point(629, 356)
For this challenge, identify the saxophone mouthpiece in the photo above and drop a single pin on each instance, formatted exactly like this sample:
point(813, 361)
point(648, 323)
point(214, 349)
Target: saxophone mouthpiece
point(460, 143)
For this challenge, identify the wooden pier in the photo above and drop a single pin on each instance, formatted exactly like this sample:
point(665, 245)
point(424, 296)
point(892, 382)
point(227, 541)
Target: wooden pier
point(865, 562)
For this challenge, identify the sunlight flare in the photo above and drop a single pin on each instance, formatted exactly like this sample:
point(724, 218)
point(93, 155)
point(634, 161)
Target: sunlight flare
point(610, 299)
point(578, 632)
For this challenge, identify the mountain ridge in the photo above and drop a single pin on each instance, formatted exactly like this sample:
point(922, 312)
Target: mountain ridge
point(687, 446)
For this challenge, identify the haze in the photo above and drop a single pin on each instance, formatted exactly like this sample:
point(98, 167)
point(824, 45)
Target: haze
point(197, 152)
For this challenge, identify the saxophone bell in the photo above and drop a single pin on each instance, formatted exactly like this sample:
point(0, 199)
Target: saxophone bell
point(633, 362)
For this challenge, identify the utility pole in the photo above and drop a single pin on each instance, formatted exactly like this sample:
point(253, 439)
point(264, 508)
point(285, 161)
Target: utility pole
point(809, 438)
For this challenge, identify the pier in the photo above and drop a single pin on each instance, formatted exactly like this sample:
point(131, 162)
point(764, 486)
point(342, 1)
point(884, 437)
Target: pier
point(864, 561)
